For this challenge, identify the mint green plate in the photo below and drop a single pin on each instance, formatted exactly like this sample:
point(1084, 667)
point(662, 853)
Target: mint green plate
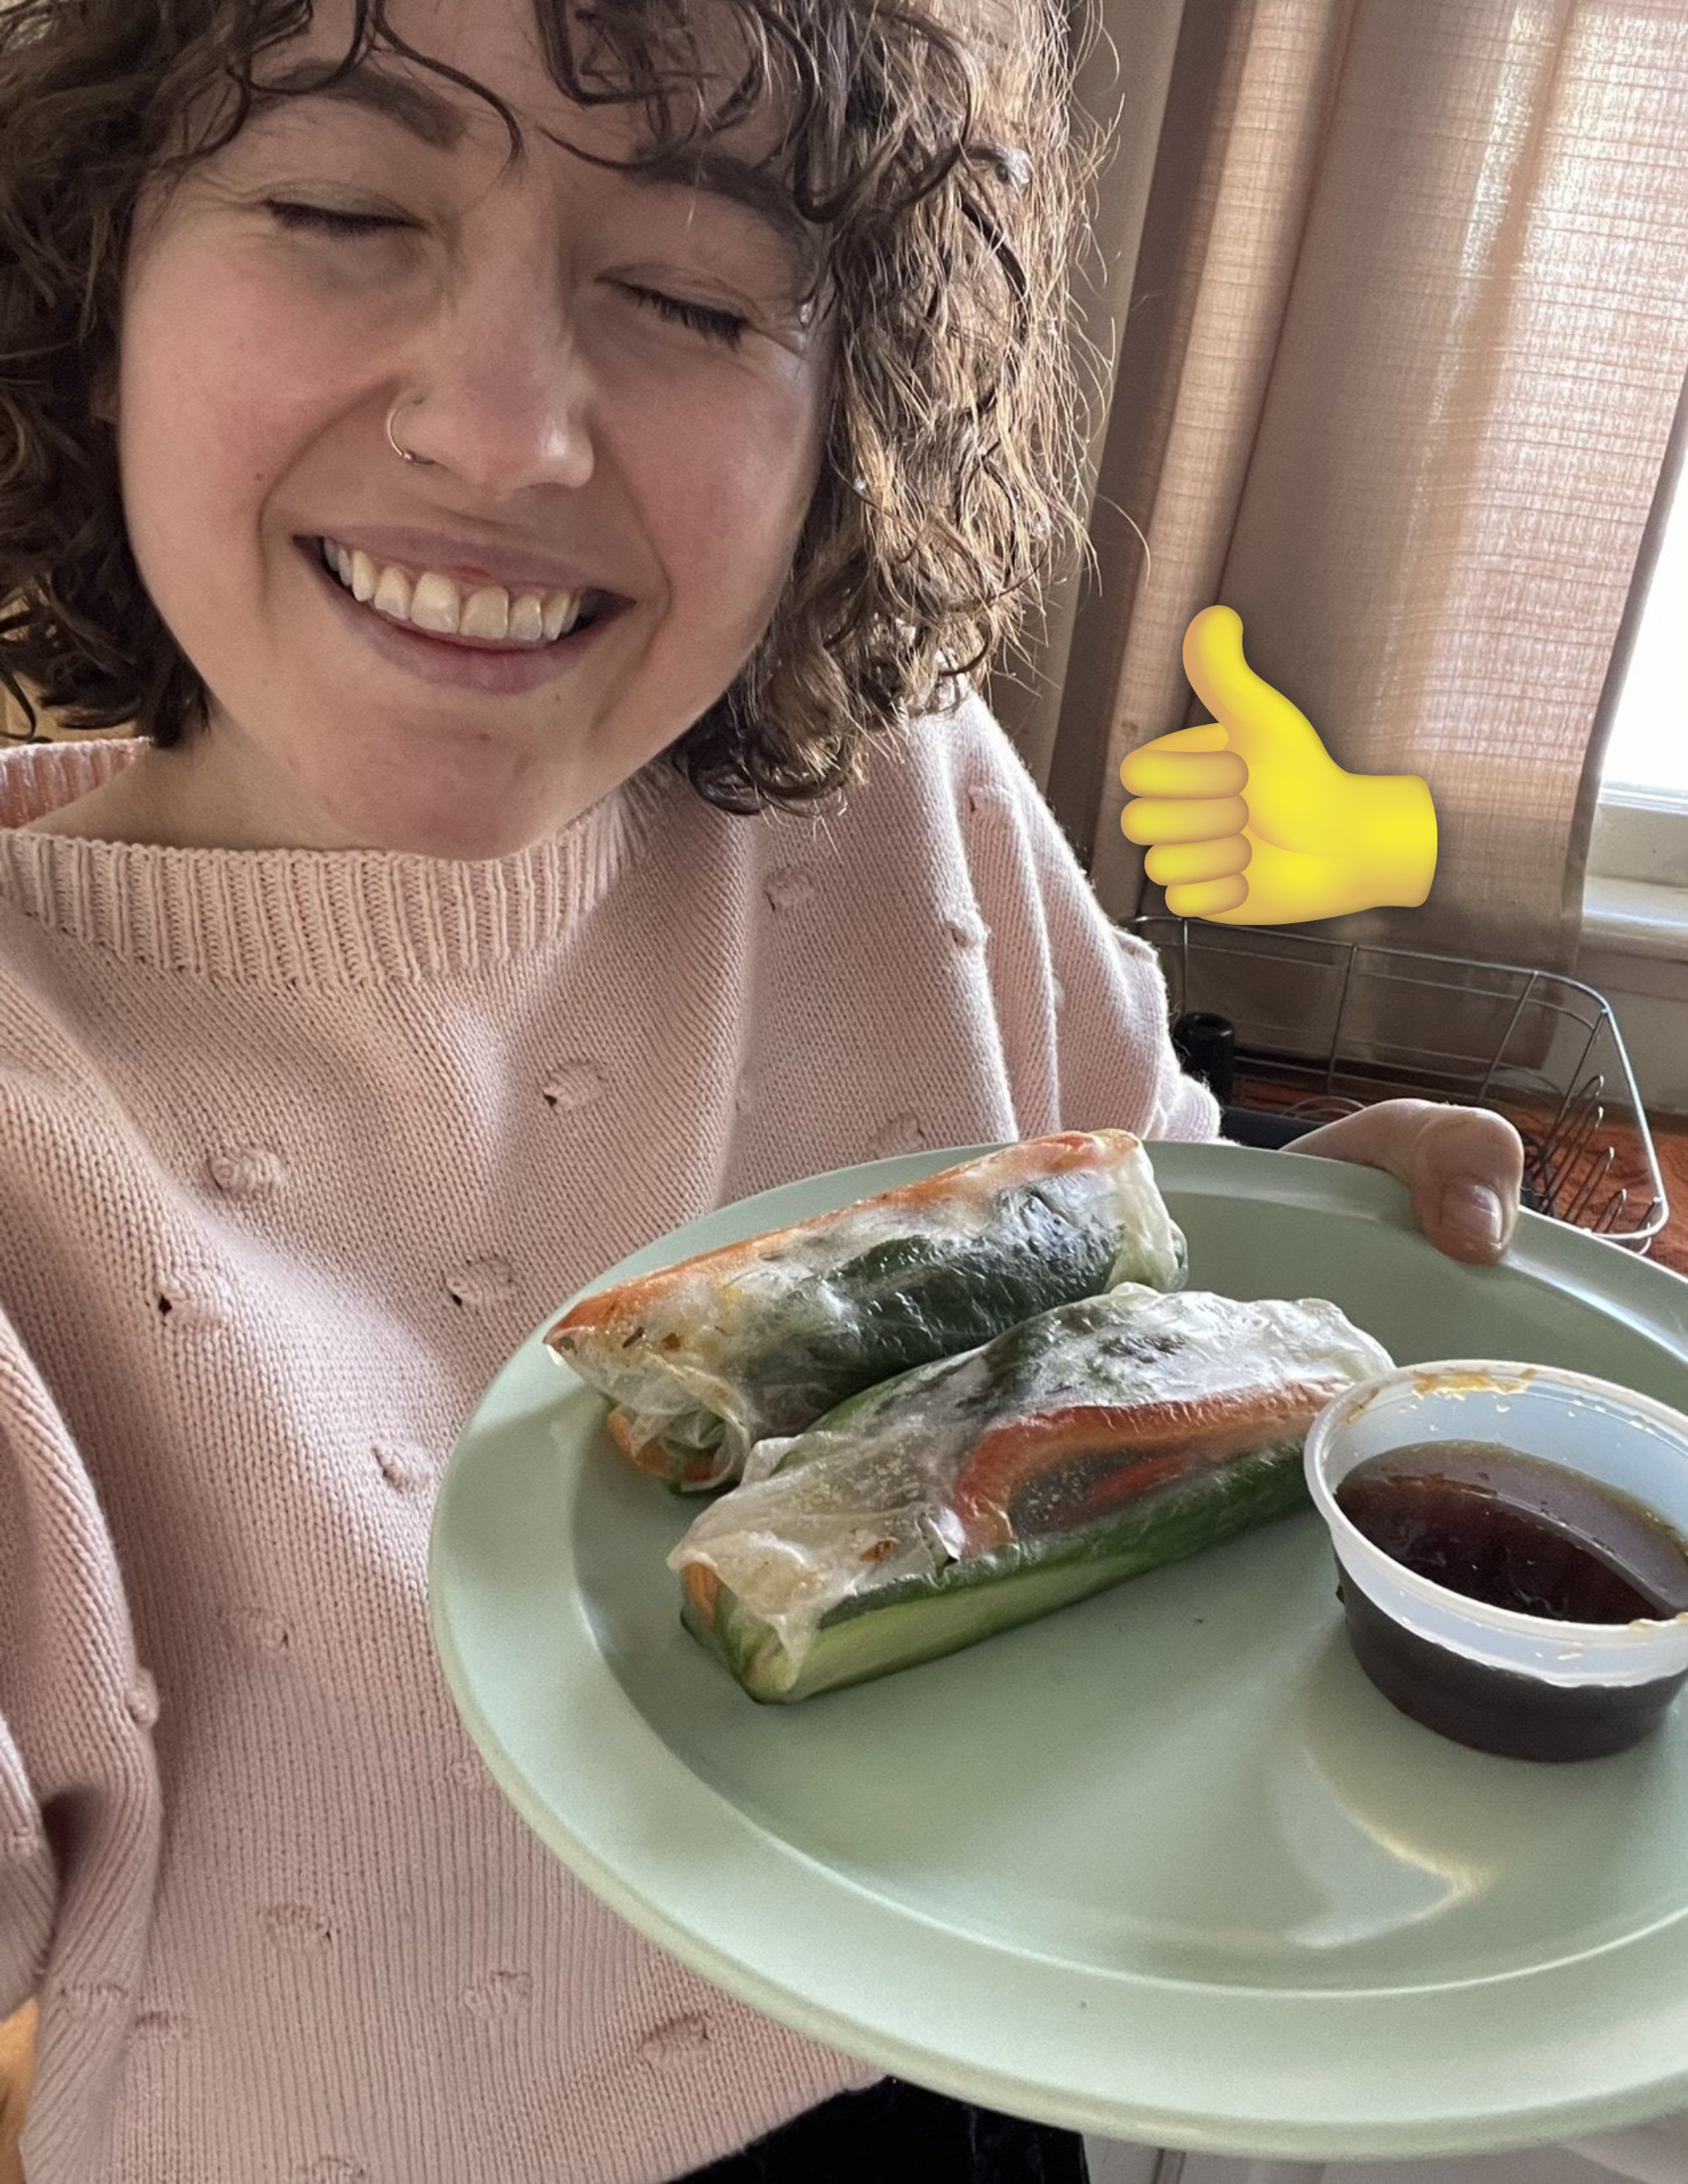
point(1163, 1866)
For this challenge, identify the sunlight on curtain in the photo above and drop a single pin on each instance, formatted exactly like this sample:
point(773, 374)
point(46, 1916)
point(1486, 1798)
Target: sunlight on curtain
point(1407, 325)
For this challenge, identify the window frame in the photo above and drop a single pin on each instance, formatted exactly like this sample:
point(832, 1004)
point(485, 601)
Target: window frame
point(1635, 895)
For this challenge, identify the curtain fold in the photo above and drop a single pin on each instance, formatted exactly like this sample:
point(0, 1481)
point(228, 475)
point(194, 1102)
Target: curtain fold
point(1408, 321)
point(1235, 174)
point(1122, 89)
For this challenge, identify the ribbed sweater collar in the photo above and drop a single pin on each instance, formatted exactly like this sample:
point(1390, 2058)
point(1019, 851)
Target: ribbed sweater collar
point(301, 918)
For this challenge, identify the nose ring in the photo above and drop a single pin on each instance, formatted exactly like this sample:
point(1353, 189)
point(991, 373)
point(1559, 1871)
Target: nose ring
point(405, 402)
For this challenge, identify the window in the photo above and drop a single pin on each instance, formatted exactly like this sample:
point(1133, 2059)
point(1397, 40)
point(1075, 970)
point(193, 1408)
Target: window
point(1635, 932)
point(1642, 829)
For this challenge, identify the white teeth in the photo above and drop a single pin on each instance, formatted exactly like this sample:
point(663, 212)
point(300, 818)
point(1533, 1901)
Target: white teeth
point(392, 595)
point(437, 604)
point(486, 613)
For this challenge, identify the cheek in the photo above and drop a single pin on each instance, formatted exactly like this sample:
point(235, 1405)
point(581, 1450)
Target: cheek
point(218, 387)
point(734, 481)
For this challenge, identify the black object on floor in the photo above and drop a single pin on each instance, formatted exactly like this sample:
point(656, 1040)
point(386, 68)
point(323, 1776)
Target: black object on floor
point(893, 2131)
point(1206, 1048)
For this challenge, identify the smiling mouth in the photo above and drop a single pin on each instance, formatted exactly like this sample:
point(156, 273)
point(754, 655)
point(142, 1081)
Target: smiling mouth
point(487, 618)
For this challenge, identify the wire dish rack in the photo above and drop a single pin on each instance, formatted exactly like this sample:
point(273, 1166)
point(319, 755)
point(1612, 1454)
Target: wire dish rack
point(1305, 1030)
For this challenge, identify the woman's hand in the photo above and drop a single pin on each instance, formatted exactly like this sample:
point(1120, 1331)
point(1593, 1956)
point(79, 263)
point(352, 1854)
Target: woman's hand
point(1464, 1167)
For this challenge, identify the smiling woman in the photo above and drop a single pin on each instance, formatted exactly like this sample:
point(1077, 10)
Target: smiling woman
point(641, 281)
point(508, 462)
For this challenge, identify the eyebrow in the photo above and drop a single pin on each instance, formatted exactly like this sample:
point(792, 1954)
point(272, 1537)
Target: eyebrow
point(440, 122)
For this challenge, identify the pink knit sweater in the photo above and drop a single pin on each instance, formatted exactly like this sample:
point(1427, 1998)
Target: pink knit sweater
point(295, 1149)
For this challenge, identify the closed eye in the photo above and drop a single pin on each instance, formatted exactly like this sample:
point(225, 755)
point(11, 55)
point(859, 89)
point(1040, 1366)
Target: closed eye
point(322, 220)
point(726, 326)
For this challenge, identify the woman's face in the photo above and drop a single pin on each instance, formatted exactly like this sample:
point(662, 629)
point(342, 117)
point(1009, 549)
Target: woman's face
point(619, 403)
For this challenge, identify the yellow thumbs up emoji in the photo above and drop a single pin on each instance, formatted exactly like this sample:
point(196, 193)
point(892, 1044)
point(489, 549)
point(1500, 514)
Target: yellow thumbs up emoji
point(1252, 821)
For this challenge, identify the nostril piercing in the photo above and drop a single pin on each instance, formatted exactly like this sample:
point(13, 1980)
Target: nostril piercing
point(405, 402)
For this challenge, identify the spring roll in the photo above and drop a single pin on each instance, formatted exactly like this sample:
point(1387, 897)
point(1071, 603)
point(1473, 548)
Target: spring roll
point(763, 1337)
point(1088, 1444)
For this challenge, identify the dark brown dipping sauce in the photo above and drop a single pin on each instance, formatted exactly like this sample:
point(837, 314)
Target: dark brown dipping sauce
point(1517, 1532)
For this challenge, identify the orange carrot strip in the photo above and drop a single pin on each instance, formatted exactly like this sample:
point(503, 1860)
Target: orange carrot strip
point(1153, 1440)
point(703, 1586)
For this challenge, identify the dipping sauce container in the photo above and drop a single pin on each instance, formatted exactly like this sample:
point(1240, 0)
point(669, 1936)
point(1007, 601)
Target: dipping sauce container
point(1506, 1682)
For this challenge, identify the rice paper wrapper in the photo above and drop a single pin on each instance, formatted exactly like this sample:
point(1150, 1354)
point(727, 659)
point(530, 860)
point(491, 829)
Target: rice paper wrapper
point(763, 1338)
point(1042, 1431)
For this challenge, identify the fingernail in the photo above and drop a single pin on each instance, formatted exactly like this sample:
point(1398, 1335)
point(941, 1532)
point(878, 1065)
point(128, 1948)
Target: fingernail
point(1474, 1217)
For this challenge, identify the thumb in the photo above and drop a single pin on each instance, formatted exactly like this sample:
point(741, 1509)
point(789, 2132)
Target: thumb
point(1464, 1166)
point(1244, 703)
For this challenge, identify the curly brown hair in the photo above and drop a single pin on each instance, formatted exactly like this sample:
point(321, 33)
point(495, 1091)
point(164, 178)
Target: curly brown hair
point(945, 175)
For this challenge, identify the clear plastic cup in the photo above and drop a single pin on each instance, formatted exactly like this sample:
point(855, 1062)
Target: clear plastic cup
point(1493, 1677)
